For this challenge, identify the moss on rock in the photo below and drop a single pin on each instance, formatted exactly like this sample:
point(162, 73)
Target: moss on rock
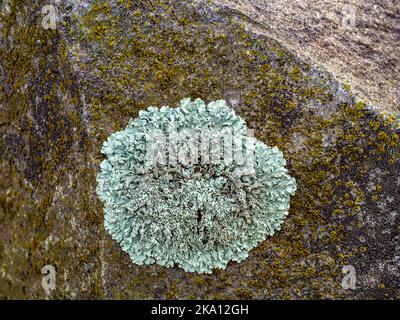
point(66, 90)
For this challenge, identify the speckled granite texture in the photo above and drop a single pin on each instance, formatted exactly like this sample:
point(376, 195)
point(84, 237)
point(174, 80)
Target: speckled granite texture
point(64, 91)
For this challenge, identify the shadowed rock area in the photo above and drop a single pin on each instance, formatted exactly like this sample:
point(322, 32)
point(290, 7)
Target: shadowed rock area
point(64, 91)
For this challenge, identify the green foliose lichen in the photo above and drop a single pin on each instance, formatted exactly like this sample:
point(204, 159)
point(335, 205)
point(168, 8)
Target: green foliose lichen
point(201, 211)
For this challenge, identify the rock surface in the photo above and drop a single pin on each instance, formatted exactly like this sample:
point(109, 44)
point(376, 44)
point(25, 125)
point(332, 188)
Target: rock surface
point(65, 90)
point(358, 41)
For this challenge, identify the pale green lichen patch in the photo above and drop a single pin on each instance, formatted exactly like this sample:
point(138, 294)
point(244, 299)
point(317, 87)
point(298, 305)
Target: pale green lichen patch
point(196, 214)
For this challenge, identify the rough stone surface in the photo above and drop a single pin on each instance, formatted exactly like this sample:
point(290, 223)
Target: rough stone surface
point(359, 41)
point(64, 91)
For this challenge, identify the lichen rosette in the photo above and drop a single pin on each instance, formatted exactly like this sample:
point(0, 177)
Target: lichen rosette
point(198, 216)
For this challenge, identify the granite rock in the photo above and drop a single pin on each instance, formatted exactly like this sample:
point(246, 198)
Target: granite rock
point(64, 90)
